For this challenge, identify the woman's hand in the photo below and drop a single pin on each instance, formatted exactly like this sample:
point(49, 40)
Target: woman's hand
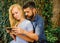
point(7, 31)
point(13, 36)
point(17, 30)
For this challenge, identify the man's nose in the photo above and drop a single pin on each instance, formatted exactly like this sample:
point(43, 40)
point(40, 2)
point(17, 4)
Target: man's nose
point(26, 14)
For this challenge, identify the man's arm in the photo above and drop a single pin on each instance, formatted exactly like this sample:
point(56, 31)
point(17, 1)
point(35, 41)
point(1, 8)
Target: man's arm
point(25, 37)
point(19, 32)
point(39, 31)
point(28, 36)
point(31, 35)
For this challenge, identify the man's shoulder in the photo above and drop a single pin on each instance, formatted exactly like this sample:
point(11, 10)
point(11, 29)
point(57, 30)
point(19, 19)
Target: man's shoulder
point(39, 18)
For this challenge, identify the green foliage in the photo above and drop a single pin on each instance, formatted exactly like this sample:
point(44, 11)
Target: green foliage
point(53, 35)
point(50, 32)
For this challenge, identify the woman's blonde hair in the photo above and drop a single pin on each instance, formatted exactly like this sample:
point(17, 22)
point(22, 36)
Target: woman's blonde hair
point(11, 19)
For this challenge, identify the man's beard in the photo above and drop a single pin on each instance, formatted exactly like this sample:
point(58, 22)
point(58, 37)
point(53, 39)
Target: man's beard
point(30, 18)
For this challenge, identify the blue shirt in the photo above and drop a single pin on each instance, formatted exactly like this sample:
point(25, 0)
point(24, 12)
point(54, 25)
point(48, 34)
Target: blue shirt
point(38, 24)
point(25, 25)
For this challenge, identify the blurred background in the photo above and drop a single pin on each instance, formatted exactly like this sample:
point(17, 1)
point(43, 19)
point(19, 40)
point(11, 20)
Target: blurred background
point(48, 9)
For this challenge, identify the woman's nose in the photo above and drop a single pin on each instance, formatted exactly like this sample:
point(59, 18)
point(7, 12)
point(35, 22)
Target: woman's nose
point(15, 15)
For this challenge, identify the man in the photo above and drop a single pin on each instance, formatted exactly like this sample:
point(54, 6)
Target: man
point(37, 22)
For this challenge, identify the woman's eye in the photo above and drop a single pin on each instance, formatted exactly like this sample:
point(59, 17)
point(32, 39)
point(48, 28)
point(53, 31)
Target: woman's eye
point(12, 14)
point(16, 12)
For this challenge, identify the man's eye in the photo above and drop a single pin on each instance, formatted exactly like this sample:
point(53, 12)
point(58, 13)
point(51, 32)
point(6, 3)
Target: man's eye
point(27, 11)
point(24, 12)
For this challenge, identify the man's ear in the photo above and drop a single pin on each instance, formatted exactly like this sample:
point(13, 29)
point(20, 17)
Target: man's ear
point(34, 10)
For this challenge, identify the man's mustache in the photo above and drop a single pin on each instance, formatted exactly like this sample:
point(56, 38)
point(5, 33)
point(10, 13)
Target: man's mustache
point(29, 18)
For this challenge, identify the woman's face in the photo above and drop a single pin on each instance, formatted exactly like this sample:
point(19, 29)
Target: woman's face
point(16, 13)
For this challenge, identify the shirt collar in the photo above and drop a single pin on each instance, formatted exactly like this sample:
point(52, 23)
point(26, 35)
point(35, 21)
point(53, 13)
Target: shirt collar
point(36, 17)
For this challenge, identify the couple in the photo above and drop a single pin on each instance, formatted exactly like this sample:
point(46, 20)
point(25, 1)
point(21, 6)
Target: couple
point(27, 25)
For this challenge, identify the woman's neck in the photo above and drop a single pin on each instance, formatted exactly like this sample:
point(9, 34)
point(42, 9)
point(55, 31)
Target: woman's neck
point(21, 20)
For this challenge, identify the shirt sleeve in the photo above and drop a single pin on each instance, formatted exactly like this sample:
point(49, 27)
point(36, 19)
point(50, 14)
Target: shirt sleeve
point(40, 31)
point(29, 26)
point(40, 28)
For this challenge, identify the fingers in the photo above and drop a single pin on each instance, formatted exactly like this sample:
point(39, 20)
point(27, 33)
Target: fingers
point(14, 29)
point(8, 31)
point(17, 31)
point(13, 36)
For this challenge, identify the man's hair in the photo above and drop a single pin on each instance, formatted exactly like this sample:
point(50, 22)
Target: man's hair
point(30, 4)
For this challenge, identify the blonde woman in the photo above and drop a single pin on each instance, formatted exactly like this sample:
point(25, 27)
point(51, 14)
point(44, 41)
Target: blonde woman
point(19, 24)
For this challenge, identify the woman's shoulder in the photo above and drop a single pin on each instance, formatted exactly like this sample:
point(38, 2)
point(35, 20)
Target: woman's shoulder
point(24, 23)
point(27, 21)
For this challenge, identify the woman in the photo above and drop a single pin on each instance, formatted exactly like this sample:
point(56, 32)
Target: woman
point(18, 21)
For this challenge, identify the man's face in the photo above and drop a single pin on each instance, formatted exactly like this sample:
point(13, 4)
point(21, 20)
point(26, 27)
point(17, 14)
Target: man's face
point(28, 13)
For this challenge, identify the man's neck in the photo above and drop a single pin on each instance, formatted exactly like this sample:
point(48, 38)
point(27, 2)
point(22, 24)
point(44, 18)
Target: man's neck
point(33, 17)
